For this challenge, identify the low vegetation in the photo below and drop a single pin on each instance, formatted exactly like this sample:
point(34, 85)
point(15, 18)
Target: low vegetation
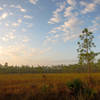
point(49, 87)
point(49, 69)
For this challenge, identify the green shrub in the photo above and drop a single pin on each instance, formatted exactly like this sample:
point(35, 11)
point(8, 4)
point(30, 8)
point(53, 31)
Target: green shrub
point(78, 88)
point(75, 86)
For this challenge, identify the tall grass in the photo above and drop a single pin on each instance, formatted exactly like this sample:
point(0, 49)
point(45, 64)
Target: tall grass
point(48, 86)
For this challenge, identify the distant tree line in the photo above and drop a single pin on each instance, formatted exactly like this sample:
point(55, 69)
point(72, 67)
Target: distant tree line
point(49, 69)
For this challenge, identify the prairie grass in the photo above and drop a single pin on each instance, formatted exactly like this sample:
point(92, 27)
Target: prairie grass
point(16, 86)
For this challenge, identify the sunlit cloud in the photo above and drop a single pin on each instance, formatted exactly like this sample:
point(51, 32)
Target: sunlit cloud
point(9, 36)
point(23, 10)
point(55, 18)
point(19, 20)
point(71, 2)
point(89, 7)
point(7, 25)
point(95, 24)
point(33, 1)
point(19, 53)
point(28, 17)
point(3, 16)
point(15, 24)
point(18, 7)
point(69, 25)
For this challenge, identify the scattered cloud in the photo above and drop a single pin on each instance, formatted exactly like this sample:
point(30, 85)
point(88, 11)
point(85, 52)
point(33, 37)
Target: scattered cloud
point(18, 7)
point(68, 11)
point(26, 39)
point(71, 2)
point(33, 1)
point(9, 36)
point(23, 10)
point(6, 24)
point(89, 7)
point(27, 17)
point(15, 24)
point(71, 27)
point(19, 20)
point(3, 16)
point(95, 24)
point(56, 18)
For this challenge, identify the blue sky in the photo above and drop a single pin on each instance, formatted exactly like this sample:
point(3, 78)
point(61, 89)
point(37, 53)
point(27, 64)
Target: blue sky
point(45, 31)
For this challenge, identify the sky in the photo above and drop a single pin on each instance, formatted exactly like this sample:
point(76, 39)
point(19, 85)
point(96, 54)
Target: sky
point(45, 32)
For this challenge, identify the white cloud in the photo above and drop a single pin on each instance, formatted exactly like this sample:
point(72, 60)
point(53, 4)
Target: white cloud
point(72, 7)
point(22, 10)
point(27, 17)
point(89, 7)
point(52, 39)
point(18, 7)
point(67, 31)
point(68, 11)
point(71, 2)
point(3, 16)
point(19, 20)
point(54, 30)
point(71, 27)
point(71, 23)
point(6, 24)
point(15, 24)
point(56, 18)
point(9, 36)
point(95, 24)
point(69, 36)
point(33, 1)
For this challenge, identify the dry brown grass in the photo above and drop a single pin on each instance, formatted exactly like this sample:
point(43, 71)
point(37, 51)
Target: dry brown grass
point(32, 83)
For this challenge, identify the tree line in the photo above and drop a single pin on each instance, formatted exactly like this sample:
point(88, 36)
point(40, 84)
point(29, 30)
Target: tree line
point(49, 69)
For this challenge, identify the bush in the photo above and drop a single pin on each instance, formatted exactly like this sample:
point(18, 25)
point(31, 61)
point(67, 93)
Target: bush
point(78, 88)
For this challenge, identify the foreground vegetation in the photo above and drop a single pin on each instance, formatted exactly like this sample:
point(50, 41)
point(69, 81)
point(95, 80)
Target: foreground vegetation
point(49, 87)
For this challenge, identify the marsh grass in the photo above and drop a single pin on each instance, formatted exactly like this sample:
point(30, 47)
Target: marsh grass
point(49, 87)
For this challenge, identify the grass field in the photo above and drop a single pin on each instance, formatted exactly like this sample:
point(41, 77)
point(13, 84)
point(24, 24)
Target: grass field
point(32, 83)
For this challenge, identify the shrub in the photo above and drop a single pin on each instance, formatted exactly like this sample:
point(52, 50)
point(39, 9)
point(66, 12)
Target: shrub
point(79, 89)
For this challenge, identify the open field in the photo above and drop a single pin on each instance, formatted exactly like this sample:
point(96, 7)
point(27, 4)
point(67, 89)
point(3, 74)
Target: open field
point(24, 85)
